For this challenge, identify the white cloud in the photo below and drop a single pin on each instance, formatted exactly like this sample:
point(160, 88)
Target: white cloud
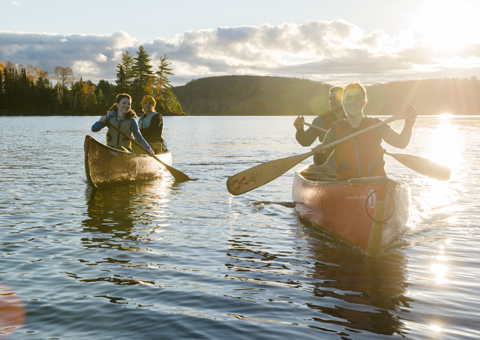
point(101, 58)
point(334, 52)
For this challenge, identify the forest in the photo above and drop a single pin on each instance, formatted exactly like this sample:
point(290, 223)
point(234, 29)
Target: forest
point(251, 95)
point(32, 91)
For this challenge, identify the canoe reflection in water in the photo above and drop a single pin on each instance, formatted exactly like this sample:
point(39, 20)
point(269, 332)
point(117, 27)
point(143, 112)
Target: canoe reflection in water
point(122, 219)
point(117, 211)
point(368, 293)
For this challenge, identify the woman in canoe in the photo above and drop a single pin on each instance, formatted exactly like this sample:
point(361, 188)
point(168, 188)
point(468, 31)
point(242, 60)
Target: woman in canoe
point(361, 156)
point(121, 116)
point(151, 125)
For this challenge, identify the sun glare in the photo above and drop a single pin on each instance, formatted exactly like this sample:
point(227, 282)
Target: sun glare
point(447, 26)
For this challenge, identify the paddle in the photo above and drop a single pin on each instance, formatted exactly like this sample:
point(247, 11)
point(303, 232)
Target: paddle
point(419, 164)
point(315, 127)
point(266, 172)
point(177, 174)
point(423, 166)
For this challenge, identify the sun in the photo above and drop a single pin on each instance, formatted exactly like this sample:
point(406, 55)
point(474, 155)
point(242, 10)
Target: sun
point(447, 26)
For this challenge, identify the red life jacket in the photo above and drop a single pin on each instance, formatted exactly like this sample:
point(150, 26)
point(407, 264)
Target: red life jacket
point(361, 156)
point(329, 118)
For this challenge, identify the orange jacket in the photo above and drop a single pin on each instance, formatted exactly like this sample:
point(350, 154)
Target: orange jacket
point(361, 156)
point(329, 118)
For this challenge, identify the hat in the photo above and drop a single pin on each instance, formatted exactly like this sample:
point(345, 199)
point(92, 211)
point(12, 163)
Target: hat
point(149, 99)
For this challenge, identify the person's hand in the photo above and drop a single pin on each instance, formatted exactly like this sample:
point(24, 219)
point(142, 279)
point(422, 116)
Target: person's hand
point(103, 119)
point(411, 115)
point(318, 149)
point(298, 123)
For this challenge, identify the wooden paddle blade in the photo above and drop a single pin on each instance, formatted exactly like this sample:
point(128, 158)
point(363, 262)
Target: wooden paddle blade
point(262, 174)
point(177, 174)
point(423, 166)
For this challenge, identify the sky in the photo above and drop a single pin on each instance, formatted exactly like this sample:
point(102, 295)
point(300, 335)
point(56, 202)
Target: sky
point(337, 42)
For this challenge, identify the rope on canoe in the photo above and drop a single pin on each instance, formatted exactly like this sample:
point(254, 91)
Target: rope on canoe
point(389, 217)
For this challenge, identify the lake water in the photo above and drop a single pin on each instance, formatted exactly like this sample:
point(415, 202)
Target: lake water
point(159, 260)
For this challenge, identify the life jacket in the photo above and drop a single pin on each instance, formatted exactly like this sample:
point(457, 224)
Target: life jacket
point(144, 122)
point(329, 118)
point(114, 138)
point(361, 156)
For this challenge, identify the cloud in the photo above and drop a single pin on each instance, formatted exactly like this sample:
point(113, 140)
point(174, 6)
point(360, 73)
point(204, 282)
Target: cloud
point(334, 52)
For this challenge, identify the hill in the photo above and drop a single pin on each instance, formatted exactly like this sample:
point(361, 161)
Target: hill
point(258, 95)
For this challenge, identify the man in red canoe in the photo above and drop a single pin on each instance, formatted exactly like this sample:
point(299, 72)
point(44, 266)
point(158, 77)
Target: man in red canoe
point(361, 156)
point(324, 121)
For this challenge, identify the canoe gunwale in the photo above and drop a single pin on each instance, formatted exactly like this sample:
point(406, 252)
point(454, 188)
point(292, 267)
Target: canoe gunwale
point(105, 165)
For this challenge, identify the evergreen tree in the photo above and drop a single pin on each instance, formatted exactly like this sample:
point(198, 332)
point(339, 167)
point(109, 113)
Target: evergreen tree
point(125, 73)
point(164, 70)
point(122, 85)
point(142, 71)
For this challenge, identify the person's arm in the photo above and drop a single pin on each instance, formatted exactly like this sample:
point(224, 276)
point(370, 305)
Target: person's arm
point(98, 125)
point(321, 155)
point(138, 136)
point(307, 137)
point(102, 121)
point(401, 140)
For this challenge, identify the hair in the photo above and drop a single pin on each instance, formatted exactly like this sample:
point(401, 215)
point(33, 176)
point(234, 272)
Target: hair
point(130, 114)
point(357, 86)
point(335, 89)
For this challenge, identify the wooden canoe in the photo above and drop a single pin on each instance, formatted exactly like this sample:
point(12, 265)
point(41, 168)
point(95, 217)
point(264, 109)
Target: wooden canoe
point(105, 165)
point(367, 213)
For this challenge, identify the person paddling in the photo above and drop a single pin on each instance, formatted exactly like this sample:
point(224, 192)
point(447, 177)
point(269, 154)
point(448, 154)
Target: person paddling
point(361, 156)
point(121, 116)
point(324, 121)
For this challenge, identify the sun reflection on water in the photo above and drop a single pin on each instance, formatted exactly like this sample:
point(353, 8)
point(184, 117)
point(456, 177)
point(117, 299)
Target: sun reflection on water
point(444, 144)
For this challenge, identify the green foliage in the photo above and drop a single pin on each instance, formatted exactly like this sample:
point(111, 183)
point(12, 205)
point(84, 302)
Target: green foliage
point(254, 95)
point(29, 91)
point(125, 73)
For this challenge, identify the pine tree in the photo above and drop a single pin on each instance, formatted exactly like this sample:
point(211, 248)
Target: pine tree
point(164, 70)
point(122, 84)
point(142, 71)
point(125, 73)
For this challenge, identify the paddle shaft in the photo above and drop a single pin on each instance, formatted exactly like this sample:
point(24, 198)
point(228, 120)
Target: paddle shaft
point(315, 127)
point(266, 172)
point(177, 174)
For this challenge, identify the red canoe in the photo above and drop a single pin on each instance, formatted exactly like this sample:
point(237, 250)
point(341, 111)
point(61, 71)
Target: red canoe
point(367, 213)
point(105, 165)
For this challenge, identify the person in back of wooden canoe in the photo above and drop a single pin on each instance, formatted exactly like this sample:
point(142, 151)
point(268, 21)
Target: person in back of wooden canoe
point(324, 121)
point(361, 156)
point(151, 125)
point(121, 116)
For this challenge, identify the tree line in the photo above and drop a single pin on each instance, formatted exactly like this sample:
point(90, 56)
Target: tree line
point(259, 95)
point(31, 90)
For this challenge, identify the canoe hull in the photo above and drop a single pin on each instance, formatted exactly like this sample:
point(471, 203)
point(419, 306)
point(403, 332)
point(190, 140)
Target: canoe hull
point(367, 213)
point(106, 166)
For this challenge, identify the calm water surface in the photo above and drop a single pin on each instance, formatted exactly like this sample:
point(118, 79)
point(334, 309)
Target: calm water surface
point(159, 260)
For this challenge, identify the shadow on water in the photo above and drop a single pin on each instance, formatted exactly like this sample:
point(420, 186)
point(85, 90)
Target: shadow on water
point(368, 293)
